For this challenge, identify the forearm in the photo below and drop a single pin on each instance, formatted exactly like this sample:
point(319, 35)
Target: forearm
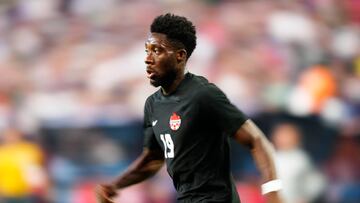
point(142, 168)
point(262, 152)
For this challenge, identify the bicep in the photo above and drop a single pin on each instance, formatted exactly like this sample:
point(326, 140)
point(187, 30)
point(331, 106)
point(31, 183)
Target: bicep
point(248, 133)
point(152, 154)
point(152, 159)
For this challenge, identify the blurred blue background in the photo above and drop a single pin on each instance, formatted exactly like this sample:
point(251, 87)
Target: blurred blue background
point(73, 85)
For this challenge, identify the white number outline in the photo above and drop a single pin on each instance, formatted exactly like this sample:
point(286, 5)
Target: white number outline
point(168, 145)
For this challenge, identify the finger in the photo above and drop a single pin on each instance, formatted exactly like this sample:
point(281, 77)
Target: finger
point(108, 190)
point(103, 197)
point(109, 200)
point(100, 195)
point(106, 200)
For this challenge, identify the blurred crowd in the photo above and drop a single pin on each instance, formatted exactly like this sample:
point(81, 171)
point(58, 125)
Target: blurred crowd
point(73, 83)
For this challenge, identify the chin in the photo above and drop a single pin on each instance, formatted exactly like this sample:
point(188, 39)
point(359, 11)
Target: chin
point(155, 83)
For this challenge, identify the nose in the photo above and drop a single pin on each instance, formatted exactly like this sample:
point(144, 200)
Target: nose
point(149, 59)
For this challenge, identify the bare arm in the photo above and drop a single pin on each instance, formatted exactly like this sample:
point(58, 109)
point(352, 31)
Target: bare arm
point(145, 166)
point(262, 151)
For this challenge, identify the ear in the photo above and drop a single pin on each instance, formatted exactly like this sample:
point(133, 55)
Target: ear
point(181, 55)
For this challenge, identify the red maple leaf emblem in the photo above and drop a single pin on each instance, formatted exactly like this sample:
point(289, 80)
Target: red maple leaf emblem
point(175, 121)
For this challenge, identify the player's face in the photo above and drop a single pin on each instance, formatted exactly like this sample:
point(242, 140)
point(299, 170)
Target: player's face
point(160, 60)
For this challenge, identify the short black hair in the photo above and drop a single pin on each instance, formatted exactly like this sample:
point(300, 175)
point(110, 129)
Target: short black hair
point(177, 29)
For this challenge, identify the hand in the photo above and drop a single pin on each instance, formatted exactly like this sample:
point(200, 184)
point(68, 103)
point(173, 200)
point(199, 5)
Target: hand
point(105, 193)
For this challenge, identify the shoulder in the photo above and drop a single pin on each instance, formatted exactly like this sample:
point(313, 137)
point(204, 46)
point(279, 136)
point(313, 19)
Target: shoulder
point(150, 101)
point(198, 80)
point(154, 96)
point(202, 86)
point(209, 92)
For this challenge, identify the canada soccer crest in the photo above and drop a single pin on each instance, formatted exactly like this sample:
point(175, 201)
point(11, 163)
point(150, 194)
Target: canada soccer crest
point(175, 121)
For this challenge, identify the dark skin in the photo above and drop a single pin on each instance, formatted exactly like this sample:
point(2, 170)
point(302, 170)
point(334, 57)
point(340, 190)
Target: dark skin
point(165, 64)
point(166, 68)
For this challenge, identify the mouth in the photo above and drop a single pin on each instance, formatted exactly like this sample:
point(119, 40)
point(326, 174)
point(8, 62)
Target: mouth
point(150, 73)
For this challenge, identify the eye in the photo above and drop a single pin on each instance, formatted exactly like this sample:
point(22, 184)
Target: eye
point(157, 51)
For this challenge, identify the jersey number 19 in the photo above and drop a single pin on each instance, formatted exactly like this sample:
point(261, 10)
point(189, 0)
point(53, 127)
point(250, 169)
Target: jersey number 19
point(168, 145)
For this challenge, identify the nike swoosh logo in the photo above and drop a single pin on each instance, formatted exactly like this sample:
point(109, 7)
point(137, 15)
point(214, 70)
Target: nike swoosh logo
point(154, 122)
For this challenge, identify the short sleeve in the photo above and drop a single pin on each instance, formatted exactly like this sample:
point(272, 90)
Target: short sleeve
point(149, 136)
point(220, 111)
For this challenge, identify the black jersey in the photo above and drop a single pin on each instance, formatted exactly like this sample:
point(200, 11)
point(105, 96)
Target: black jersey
point(192, 126)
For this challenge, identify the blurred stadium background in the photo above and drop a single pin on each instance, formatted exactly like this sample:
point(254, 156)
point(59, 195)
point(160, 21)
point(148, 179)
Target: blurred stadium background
point(73, 85)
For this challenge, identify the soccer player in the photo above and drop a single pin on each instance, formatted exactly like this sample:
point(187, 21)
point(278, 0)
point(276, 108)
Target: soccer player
point(187, 125)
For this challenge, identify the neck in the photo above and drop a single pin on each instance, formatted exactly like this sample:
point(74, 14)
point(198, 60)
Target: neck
point(166, 90)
